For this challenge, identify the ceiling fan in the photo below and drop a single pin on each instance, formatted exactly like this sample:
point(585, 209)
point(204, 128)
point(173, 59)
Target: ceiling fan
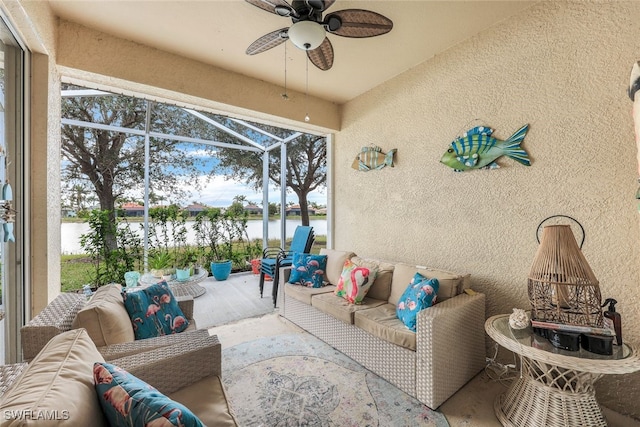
point(309, 28)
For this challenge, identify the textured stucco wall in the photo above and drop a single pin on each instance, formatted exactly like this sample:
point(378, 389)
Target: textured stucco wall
point(99, 58)
point(561, 67)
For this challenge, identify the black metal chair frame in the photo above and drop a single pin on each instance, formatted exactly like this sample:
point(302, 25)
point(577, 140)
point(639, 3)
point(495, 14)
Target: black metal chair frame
point(283, 259)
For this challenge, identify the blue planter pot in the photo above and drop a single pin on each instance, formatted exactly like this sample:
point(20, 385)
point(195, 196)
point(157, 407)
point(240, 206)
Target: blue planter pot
point(221, 270)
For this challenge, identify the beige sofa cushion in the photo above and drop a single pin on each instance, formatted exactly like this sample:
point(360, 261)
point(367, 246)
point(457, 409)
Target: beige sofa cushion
point(383, 323)
point(58, 383)
point(451, 284)
point(340, 308)
point(105, 318)
point(381, 287)
point(335, 262)
point(304, 294)
point(208, 401)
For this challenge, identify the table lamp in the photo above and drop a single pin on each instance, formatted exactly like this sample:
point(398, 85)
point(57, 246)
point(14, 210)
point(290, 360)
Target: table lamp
point(562, 287)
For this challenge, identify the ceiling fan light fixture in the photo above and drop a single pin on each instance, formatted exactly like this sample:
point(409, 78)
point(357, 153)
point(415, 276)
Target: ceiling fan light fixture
point(306, 35)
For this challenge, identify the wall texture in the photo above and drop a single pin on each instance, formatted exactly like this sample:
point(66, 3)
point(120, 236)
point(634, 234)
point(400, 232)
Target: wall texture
point(562, 67)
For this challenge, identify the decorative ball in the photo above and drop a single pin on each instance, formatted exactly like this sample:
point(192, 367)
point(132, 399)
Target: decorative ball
point(519, 319)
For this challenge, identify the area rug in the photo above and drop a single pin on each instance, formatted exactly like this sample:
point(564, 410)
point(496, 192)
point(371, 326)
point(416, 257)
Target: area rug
point(298, 380)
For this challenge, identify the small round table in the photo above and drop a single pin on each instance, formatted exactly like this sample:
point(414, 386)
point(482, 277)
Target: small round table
point(556, 386)
point(179, 288)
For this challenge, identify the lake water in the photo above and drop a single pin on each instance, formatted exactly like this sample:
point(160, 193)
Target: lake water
point(71, 231)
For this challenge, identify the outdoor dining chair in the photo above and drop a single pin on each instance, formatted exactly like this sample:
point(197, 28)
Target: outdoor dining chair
point(274, 258)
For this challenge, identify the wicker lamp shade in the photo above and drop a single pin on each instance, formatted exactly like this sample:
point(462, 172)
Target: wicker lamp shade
point(562, 287)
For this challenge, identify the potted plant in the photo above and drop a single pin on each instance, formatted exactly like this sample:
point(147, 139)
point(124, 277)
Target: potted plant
point(217, 231)
point(159, 263)
point(185, 262)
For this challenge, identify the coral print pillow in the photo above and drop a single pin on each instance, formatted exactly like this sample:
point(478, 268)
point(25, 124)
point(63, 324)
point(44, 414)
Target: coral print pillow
point(154, 311)
point(308, 270)
point(128, 401)
point(355, 282)
point(420, 294)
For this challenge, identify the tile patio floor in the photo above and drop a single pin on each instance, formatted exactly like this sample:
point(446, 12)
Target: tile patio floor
point(231, 300)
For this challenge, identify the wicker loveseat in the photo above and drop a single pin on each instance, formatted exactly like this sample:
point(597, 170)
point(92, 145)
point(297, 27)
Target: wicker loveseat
point(57, 386)
point(431, 364)
point(104, 317)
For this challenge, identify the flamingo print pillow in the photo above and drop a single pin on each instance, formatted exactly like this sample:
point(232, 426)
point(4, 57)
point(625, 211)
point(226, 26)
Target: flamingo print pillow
point(355, 282)
point(308, 270)
point(154, 311)
point(420, 294)
point(128, 401)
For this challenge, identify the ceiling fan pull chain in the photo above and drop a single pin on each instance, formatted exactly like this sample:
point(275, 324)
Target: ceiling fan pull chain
point(284, 95)
point(306, 93)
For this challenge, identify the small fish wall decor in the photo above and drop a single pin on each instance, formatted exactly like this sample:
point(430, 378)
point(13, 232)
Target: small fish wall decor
point(477, 149)
point(372, 158)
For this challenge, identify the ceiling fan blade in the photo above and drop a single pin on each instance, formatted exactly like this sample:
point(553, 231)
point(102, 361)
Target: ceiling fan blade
point(322, 56)
point(357, 23)
point(279, 7)
point(268, 41)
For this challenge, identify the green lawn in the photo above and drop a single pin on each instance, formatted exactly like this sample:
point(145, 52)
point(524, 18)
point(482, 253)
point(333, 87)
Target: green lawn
point(77, 270)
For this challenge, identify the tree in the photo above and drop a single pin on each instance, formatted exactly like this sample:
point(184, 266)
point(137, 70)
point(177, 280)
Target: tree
point(236, 208)
point(306, 166)
point(240, 198)
point(113, 162)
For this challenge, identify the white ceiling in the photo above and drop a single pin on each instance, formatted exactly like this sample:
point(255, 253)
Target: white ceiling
point(217, 32)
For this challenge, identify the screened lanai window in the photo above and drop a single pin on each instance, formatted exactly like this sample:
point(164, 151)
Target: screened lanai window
point(113, 144)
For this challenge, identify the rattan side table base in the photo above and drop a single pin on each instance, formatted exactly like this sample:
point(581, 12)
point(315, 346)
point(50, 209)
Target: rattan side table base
point(556, 386)
point(529, 403)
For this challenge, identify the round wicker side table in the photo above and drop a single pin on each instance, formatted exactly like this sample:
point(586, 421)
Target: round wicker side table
point(555, 387)
point(179, 288)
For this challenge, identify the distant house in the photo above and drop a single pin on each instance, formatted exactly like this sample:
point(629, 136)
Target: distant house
point(132, 209)
point(321, 211)
point(253, 209)
point(69, 213)
point(295, 210)
point(195, 208)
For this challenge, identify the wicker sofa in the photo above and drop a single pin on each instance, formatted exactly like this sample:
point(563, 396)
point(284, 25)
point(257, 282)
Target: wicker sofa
point(104, 317)
point(57, 386)
point(431, 364)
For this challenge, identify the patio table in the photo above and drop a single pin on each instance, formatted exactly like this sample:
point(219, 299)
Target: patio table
point(178, 287)
point(556, 387)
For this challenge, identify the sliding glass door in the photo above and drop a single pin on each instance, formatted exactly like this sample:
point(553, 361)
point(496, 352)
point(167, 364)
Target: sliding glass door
point(14, 298)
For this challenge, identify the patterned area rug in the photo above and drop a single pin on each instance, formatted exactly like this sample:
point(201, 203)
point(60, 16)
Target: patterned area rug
point(298, 380)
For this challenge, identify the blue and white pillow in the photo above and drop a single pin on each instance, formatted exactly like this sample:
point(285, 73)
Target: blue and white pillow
point(420, 294)
point(128, 401)
point(308, 270)
point(154, 311)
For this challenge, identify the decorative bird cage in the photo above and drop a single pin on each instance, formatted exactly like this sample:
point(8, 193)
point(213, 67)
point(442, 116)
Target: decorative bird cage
point(562, 287)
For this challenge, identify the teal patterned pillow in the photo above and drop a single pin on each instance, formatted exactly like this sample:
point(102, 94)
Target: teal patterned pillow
point(129, 401)
point(308, 270)
point(154, 311)
point(420, 294)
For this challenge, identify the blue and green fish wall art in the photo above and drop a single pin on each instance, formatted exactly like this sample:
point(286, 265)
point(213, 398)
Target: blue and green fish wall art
point(372, 158)
point(477, 149)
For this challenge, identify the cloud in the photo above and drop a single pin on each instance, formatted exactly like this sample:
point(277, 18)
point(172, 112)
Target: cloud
point(220, 192)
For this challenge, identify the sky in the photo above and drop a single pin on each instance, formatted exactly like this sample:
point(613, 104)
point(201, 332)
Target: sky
point(220, 193)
